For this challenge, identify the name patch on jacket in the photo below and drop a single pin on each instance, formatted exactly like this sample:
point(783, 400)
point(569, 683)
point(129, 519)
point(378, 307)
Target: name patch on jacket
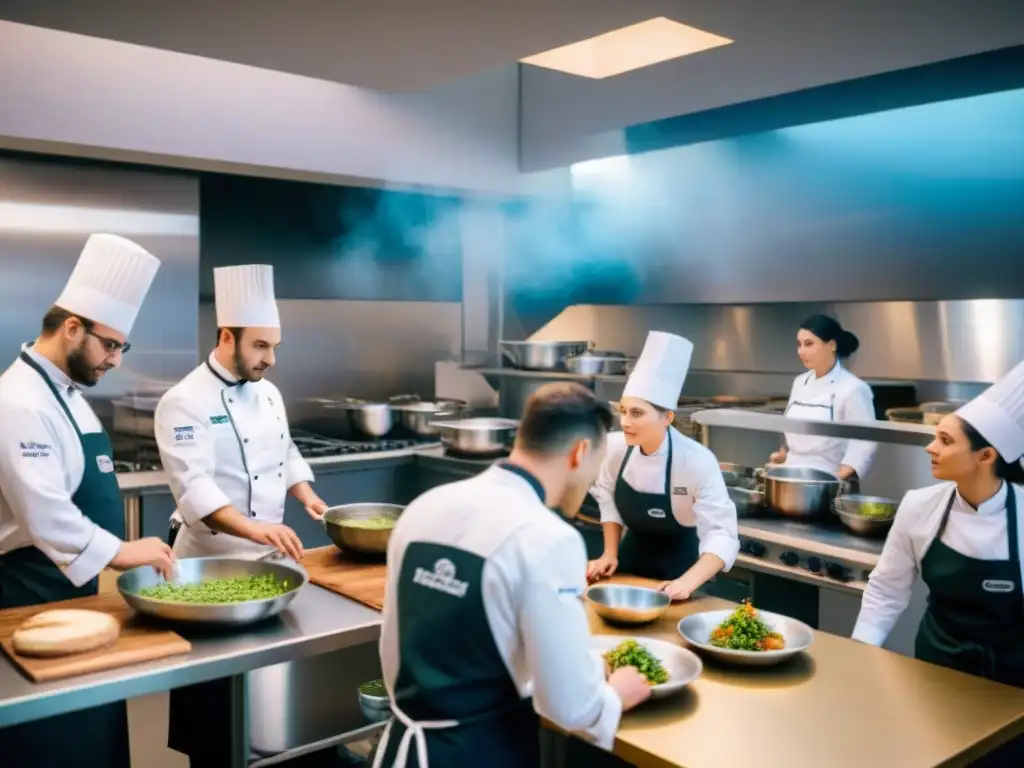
point(997, 585)
point(680, 490)
point(104, 464)
point(441, 579)
point(658, 513)
point(184, 434)
point(219, 419)
point(33, 450)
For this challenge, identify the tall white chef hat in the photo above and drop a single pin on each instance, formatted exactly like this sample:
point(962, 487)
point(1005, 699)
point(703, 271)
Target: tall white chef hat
point(109, 282)
point(245, 296)
point(998, 414)
point(661, 370)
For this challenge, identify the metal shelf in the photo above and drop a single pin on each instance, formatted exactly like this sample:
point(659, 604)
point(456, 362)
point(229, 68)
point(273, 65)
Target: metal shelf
point(553, 375)
point(875, 431)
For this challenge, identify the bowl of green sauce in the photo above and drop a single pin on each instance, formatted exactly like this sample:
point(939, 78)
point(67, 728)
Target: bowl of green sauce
point(362, 528)
point(374, 701)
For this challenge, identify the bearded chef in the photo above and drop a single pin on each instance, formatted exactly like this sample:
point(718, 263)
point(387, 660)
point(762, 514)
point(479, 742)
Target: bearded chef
point(224, 442)
point(964, 538)
point(664, 490)
point(828, 392)
point(488, 557)
point(61, 514)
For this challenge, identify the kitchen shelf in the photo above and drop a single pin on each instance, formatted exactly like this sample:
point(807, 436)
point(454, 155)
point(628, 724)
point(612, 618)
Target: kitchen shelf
point(519, 373)
point(875, 431)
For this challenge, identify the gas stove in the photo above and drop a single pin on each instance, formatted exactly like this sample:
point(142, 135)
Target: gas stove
point(315, 446)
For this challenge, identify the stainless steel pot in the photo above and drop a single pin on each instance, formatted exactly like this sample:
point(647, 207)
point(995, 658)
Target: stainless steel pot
point(418, 417)
point(367, 541)
point(542, 355)
point(851, 511)
point(478, 437)
point(360, 419)
point(796, 491)
point(598, 364)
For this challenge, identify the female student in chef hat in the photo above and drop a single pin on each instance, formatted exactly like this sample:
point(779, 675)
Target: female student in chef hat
point(964, 538)
point(662, 495)
point(828, 392)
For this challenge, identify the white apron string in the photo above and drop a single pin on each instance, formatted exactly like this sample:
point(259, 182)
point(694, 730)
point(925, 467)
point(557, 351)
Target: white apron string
point(413, 730)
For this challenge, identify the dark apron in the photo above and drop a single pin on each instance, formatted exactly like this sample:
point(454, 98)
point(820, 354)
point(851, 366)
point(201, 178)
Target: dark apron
point(91, 737)
point(655, 546)
point(974, 622)
point(455, 677)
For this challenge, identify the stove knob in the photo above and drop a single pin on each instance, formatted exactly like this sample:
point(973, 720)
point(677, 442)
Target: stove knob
point(837, 572)
point(814, 564)
point(756, 548)
point(789, 558)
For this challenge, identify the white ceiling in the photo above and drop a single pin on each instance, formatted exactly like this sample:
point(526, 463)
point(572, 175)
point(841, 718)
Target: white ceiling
point(412, 45)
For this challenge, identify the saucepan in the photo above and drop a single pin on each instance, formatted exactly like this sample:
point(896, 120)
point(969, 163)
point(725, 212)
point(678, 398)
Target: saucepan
point(796, 491)
point(364, 528)
point(542, 355)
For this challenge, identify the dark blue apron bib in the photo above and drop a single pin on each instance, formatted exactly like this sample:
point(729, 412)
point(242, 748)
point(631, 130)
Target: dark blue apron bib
point(92, 737)
point(456, 675)
point(974, 622)
point(655, 545)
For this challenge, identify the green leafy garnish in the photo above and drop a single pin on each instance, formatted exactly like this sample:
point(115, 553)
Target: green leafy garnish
point(629, 653)
point(219, 591)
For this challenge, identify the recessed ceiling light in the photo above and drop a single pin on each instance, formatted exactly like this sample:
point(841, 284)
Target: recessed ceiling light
point(633, 47)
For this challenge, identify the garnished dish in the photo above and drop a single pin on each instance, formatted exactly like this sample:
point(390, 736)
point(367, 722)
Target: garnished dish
point(630, 653)
point(219, 591)
point(744, 630)
point(380, 523)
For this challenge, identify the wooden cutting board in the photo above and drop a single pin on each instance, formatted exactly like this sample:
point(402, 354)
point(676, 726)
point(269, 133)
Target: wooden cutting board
point(331, 569)
point(138, 641)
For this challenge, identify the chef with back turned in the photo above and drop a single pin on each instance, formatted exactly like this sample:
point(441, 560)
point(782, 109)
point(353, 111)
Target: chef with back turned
point(61, 514)
point(224, 442)
point(484, 627)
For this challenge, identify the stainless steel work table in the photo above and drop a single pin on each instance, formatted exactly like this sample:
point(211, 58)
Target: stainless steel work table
point(317, 621)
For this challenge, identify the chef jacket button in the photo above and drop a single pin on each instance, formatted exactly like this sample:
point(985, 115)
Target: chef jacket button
point(278, 474)
point(281, 464)
point(246, 440)
point(256, 477)
point(231, 399)
point(282, 435)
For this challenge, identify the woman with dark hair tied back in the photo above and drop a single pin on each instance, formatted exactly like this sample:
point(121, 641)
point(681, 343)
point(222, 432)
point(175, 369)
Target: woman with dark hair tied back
point(828, 392)
point(963, 538)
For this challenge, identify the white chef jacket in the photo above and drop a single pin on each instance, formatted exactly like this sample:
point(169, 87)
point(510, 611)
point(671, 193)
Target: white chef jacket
point(225, 445)
point(836, 396)
point(699, 495)
point(981, 534)
point(41, 467)
point(533, 580)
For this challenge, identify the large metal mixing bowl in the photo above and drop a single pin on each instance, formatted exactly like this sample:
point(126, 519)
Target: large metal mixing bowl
point(850, 510)
point(367, 541)
point(479, 436)
point(622, 604)
point(598, 364)
point(419, 417)
point(800, 491)
point(542, 355)
point(199, 569)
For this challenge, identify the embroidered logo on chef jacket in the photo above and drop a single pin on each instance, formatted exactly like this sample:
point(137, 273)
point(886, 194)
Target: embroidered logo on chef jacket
point(657, 513)
point(680, 490)
point(184, 434)
point(997, 585)
point(104, 463)
point(221, 419)
point(34, 450)
point(441, 579)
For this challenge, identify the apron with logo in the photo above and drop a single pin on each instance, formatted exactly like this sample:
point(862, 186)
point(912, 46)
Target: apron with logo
point(455, 704)
point(91, 737)
point(824, 453)
point(656, 545)
point(974, 622)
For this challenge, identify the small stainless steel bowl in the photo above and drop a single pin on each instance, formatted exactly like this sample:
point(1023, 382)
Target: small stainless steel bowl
point(850, 510)
point(622, 604)
point(376, 709)
point(367, 541)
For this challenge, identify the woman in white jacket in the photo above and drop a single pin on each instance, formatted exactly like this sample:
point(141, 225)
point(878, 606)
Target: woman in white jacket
point(963, 538)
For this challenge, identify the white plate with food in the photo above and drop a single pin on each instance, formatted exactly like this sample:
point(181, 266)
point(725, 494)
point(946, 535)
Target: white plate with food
point(746, 635)
point(668, 667)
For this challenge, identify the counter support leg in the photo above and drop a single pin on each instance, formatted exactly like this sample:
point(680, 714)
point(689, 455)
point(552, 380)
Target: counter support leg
point(239, 722)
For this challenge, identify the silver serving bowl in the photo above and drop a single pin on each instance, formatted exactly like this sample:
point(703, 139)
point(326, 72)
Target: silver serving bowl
point(366, 541)
point(682, 664)
point(376, 709)
point(478, 436)
point(598, 364)
point(623, 604)
point(696, 630)
point(542, 355)
point(800, 491)
point(850, 509)
point(419, 417)
point(200, 569)
point(748, 503)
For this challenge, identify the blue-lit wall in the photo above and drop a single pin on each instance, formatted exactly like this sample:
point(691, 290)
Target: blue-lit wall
point(920, 203)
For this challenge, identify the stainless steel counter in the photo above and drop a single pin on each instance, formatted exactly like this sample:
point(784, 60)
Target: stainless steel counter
point(317, 622)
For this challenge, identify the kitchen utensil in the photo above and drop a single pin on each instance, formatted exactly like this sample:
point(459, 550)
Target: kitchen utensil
point(741, 476)
point(696, 630)
point(418, 417)
point(376, 709)
point(850, 509)
point(622, 604)
point(933, 412)
point(796, 491)
point(598, 364)
point(350, 418)
point(683, 665)
point(367, 541)
point(331, 569)
point(478, 436)
point(542, 355)
point(199, 569)
point(138, 641)
point(748, 503)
